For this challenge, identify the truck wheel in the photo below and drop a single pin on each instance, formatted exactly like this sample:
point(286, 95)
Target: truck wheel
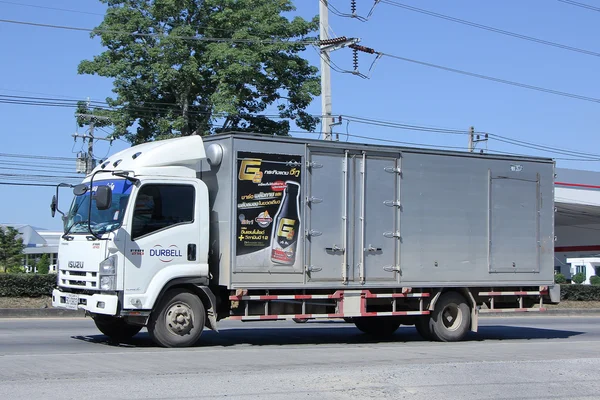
point(377, 326)
point(451, 318)
point(178, 320)
point(115, 328)
point(422, 326)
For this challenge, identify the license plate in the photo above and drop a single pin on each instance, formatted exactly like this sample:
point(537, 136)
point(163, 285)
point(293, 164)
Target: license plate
point(72, 301)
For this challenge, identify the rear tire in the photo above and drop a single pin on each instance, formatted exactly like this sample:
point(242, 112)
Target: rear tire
point(178, 320)
point(451, 318)
point(115, 328)
point(422, 326)
point(377, 326)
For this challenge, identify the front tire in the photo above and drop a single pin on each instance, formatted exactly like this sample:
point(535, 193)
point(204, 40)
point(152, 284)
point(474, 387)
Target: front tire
point(115, 328)
point(179, 319)
point(377, 326)
point(451, 318)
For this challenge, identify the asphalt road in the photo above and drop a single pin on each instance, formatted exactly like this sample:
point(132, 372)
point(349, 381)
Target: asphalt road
point(510, 358)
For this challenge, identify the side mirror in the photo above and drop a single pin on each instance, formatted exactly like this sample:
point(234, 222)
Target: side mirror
point(80, 189)
point(53, 206)
point(103, 197)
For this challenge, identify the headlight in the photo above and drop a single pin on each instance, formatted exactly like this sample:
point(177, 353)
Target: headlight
point(109, 266)
point(108, 271)
point(107, 283)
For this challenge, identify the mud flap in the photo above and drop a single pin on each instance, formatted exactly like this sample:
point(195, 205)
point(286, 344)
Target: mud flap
point(210, 303)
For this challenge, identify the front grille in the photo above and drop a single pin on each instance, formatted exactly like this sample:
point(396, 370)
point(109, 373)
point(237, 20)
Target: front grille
point(78, 279)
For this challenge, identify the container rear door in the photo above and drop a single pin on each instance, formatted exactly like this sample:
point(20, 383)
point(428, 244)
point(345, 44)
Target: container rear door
point(327, 206)
point(377, 216)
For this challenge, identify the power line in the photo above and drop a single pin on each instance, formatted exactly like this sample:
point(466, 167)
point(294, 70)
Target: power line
point(159, 35)
point(491, 29)
point(160, 107)
point(45, 94)
point(45, 166)
point(36, 156)
point(37, 170)
point(369, 121)
point(26, 184)
point(498, 80)
point(557, 150)
point(50, 8)
point(578, 4)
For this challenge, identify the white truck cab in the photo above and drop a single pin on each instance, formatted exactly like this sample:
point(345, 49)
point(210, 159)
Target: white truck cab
point(146, 226)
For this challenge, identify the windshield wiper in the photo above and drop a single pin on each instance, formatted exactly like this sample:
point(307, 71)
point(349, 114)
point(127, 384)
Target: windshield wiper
point(74, 224)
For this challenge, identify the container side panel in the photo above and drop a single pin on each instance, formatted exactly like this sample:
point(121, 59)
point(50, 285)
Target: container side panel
point(445, 219)
point(268, 238)
point(218, 180)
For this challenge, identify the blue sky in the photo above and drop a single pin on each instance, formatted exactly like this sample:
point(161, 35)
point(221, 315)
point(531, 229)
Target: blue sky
point(43, 62)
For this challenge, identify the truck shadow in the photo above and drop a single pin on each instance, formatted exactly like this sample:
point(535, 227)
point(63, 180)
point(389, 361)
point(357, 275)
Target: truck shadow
point(336, 333)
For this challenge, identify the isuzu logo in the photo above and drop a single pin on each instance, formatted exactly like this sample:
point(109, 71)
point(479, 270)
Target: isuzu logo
point(75, 264)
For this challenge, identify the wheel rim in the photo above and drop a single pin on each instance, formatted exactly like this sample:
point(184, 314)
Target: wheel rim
point(452, 317)
point(179, 319)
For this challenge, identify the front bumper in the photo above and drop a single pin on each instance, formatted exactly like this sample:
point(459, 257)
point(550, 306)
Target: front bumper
point(96, 303)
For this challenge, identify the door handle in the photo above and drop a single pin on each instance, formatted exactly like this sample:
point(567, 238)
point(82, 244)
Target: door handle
point(191, 252)
point(334, 249)
point(373, 249)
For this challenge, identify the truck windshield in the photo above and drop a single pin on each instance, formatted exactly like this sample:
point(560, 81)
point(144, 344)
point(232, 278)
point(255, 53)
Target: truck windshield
point(100, 221)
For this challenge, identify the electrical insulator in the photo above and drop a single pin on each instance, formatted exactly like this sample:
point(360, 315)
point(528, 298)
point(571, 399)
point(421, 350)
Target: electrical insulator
point(355, 59)
point(326, 42)
point(353, 6)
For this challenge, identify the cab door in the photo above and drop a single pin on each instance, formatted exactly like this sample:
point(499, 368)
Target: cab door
point(166, 225)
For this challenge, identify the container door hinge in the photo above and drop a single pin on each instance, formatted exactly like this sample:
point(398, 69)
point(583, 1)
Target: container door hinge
point(393, 170)
point(392, 203)
point(392, 268)
point(313, 232)
point(312, 268)
point(314, 200)
point(313, 164)
point(392, 235)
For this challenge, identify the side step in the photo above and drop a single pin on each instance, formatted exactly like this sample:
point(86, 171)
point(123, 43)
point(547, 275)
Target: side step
point(518, 296)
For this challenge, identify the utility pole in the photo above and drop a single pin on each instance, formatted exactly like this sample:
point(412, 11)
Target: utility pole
point(325, 72)
point(471, 139)
point(474, 139)
point(88, 158)
point(328, 45)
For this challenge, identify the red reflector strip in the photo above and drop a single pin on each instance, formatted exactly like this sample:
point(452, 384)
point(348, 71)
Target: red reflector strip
point(506, 310)
point(396, 295)
point(512, 293)
point(336, 295)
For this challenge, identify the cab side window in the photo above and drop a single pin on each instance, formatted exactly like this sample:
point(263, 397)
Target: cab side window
point(159, 207)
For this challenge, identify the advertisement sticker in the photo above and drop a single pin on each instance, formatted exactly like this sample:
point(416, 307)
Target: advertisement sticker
point(268, 210)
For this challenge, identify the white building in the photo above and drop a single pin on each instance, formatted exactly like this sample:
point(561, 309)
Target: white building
point(37, 242)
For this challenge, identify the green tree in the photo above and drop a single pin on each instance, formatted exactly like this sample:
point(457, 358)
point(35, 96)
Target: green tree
point(183, 67)
point(11, 248)
point(43, 265)
point(559, 278)
point(578, 278)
